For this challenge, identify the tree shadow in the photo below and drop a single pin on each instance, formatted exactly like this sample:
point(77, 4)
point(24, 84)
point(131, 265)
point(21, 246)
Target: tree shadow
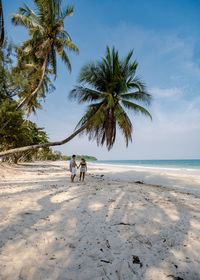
point(32, 167)
point(100, 230)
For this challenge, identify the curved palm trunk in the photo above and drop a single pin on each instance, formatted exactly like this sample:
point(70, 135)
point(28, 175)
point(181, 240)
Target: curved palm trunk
point(43, 145)
point(27, 99)
point(1, 24)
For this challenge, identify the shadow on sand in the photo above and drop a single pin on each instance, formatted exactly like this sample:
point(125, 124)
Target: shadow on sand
point(98, 230)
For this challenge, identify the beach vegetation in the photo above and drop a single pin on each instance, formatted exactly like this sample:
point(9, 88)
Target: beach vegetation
point(15, 129)
point(112, 88)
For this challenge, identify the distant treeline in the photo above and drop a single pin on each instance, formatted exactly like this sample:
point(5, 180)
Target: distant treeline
point(49, 154)
point(79, 157)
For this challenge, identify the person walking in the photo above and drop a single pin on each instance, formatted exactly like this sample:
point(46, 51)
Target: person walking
point(83, 169)
point(73, 168)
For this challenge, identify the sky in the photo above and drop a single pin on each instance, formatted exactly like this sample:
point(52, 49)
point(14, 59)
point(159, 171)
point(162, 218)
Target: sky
point(165, 36)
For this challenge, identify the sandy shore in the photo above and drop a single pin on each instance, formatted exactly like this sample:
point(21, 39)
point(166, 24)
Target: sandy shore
point(106, 228)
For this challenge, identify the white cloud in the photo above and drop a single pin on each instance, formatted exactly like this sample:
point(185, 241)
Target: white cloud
point(167, 92)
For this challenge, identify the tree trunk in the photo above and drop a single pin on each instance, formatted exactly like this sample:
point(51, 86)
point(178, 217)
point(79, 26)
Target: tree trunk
point(43, 145)
point(28, 98)
point(1, 25)
point(24, 156)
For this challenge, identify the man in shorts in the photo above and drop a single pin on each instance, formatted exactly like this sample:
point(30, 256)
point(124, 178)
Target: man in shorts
point(73, 167)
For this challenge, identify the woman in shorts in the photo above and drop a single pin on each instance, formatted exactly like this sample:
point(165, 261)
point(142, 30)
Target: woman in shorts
point(83, 169)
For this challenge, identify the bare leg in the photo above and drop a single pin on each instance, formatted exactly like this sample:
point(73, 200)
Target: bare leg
point(73, 176)
point(80, 176)
point(83, 176)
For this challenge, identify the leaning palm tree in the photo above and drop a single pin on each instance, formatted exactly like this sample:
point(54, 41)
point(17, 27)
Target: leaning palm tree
point(1, 25)
point(112, 87)
point(48, 37)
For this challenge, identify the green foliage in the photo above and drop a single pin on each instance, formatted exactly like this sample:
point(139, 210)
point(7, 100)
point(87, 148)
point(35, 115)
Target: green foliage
point(110, 86)
point(48, 154)
point(12, 134)
point(18, 132)
point(15, 131)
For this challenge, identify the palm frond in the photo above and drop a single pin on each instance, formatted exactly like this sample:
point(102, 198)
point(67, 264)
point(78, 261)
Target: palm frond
point(82, 94)
point(68, 11)
point(90, 115)
point(66, 60)
point(65, 35)
point(138, 95)
point(136, 83)
point(29, 13)
point(42, 9)
point(66, 43)
point(18, 19)
point(135, 107)
point(127, 59)
point(124, 123)
point(87, 74)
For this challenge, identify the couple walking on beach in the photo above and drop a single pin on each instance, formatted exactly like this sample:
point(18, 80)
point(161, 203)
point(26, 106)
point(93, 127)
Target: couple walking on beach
point(73, 168)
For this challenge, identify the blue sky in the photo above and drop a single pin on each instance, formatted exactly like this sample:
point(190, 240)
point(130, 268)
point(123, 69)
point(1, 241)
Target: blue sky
point(165, 36)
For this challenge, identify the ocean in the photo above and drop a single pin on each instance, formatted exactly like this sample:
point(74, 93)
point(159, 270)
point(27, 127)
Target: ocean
point(173, 164)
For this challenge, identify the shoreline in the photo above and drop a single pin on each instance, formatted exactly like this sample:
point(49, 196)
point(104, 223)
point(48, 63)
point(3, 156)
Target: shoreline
point(185, 164)
point(188, 182)
point(181, 170)
point(103, 228)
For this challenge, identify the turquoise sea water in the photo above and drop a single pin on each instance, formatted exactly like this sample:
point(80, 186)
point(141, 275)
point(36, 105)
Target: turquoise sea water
point(175, 163)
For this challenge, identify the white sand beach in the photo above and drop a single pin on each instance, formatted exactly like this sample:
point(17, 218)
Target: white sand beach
point(108, 227)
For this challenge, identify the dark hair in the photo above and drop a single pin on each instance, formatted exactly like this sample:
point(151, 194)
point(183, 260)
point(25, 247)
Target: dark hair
point(74, 156)
point(83, 159)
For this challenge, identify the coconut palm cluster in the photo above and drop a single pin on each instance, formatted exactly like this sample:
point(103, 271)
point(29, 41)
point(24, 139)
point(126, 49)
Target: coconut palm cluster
point(110, 86)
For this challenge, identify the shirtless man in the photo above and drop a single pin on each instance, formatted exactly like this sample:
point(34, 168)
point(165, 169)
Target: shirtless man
point(73, 167)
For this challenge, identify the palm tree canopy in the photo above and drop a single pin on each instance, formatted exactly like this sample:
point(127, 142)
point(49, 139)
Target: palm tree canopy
point(46, 28)
point(110, 86)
